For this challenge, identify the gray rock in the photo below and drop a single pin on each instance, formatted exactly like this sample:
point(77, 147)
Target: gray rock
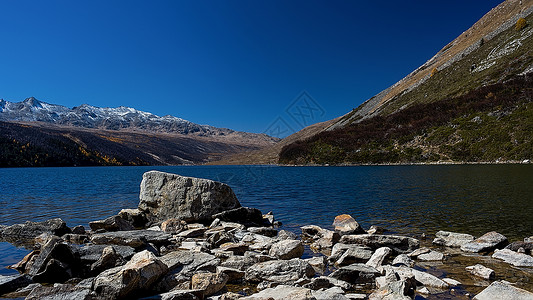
point(452, 239)
point(399, 244)
point(134, 216)
point(287, 249)
point(403, 260)
point(333, 293)
point(91, 253)
point(502, 290)
point(326, 239)
point(236, 248)
point(187, 263)
point(164, 196)
point(79, 229)
point(286, 235)
point(176, 295)
point(344, 254)
point(487, 242)
point(481, 271)
point(318, 263)
point(30, 230)
point(325, 282)
point(56, 262)
point(14, 282)
point(514, 258)
point(59, 292)
point(173, 226)
point(133, 238)
point(310, 231)
point(266, 231)
point(397, 289)
point(419, 251)
point(109, 259)
point(527, 247)
point(431, 256)
point(345, 224)
point(78, 239)
point(139, 273)
point(451, 282)
point(376, 230)
point(191, 233)
point(282, 271)
point(423, 278)
point(113, 223)
point(233, 274)
point(282, 292)
point(377, 258)
point(250, 217)
point(209, 283)
point(353, 296)
point(528, 239)
point(356, 273)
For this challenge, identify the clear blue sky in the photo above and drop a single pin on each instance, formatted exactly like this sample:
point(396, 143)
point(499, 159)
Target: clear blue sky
point(234, 64)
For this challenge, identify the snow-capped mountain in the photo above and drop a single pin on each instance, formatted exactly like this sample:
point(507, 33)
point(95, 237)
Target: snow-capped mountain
point(87, 116)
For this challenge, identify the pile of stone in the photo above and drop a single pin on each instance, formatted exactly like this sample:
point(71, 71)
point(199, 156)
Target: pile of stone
point(190, 238)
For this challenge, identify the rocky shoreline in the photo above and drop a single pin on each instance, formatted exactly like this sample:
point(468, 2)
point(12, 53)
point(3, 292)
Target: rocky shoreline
point(190, 238)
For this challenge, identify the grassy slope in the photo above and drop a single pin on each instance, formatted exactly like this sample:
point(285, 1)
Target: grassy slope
point(456, 115)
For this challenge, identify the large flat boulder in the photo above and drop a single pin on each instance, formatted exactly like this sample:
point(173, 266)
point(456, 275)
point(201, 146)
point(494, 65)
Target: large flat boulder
point(132, 238)
point(452, 239)
point(514, 258)
point(30, 230)
point(164, 196)
point(399, 244)
point(281, 271)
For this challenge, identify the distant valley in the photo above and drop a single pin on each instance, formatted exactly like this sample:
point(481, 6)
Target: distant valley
point(36, 133)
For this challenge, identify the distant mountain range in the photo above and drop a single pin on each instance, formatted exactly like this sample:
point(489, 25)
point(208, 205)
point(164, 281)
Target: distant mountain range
point(32, 130)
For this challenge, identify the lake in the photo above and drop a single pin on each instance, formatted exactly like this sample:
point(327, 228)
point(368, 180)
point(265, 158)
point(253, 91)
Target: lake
point(410, 200)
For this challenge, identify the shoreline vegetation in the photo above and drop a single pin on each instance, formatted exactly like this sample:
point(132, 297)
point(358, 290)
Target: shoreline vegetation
point(190, 238)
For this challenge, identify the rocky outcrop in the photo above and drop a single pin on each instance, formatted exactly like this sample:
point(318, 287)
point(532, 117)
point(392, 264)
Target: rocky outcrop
point(164, 196)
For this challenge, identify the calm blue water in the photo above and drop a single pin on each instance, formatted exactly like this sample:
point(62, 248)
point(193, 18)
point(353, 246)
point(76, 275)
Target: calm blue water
point(406, 199)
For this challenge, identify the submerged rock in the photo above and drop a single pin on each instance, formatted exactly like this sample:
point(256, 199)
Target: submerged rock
point(164, 196)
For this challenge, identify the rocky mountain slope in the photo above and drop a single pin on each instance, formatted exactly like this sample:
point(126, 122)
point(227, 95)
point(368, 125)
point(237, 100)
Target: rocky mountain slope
point(471, 102)
point(35, 133)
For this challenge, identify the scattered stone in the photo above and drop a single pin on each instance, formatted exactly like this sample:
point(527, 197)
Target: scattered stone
point(356, 273)
point(14, 282)
point(487, 242)
point(30, 230)
point(452, 239)
point(113, 223)
point(282, 271)
point(311, 231)
point(503, 290)
point(399, 244)
point(353, 296)
point(191, 233)
point(188, 262)
point(419, 251)
point(325, 282)
point(528, 239)
point(318, 263)
point(282, 292)
point(451, 282)
point(173, 226)
point(353, 254)
point(345, 224)
point(423, 278)
point(481, 271)
point(139, 273)
point(403, 260)
point(133, 238)
point(287, 249)
point(326, 239)
point(251, 217)
point(164, 196)
point(431, 256)
point(236, 248)
point(286, 235)
point(109, 259)
point(514, 258)
point(134, 216)
point(527, 247)
point(59, 292)
point(377, 258)
point(333, 293)
point(376, 230)
point(233, 274)
point(209, 283)
point(266, 231)
point(79, 230)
